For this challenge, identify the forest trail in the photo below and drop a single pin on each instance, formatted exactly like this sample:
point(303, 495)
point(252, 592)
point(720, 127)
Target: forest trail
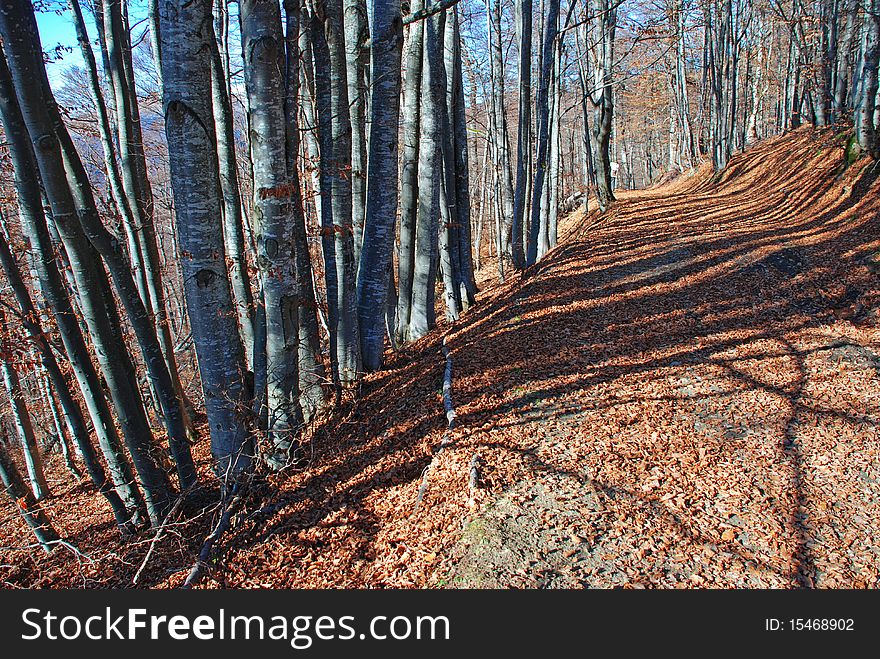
point(683, 393)
point(700, 406)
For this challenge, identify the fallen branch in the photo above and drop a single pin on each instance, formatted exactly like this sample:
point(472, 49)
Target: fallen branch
point(473, 478)
point(447, 388)
point(449, 408)
point(159, 533)
point(202, 562)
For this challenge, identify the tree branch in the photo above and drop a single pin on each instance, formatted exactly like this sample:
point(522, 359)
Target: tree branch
point(428, 11)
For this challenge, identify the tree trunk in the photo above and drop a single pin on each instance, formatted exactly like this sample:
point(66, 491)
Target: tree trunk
point(409, 173)
point(499, 125)
point(866, 127)
point(137, 188)
point(33, 222)
point(542, 106)
point(524, 136)
point(448, 245)
point(274, 200)
point(312, 376)
point(422, 314)
point(233, 220)
point(24, 501)
point(462, 171)
point(386, 44)
point(189, 128)
point(602, 98)
point(54, 160)
point(356, 60)
point(334, 137)
point(61, 429)
point(22, 417)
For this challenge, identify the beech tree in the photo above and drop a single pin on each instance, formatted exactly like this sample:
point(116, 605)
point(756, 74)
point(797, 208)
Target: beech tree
point(378, 239)
point(186, 31)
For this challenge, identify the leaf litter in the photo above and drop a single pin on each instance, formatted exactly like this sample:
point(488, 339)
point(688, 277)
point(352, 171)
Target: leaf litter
point(683, 393)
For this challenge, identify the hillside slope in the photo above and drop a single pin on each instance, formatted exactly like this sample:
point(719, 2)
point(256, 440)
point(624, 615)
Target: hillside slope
point(682, 393)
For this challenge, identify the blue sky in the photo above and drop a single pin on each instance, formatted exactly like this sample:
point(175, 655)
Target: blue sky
point(56, 28)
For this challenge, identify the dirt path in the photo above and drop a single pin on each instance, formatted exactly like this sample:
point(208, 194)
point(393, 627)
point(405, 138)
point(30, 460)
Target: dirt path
point(688, 395)
point(686, 392)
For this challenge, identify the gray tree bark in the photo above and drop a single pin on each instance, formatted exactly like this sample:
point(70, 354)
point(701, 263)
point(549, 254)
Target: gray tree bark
point(28, 316)
point(378, 242)
point(61, 429)
point(22, 417)
point(54, 159)
point(312, 376)
point(189, 126)
point(409, 171)
point(137, 188)
point(466, 280)
point(334, 137)
point(601, 96)
point(499, 125)
point(51, 284)
point(233, 218)
point(542, 107)
point(274, 200)
point(356, 59)
point(24, 501)
point(865, 112)
point(422, 314)
point(524, 133)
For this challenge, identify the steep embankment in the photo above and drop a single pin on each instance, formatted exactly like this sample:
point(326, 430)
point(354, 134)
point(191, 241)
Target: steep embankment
point(682, 393)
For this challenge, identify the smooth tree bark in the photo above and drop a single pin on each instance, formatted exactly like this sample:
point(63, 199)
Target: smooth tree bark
point(142, 249)
point(22, 417)
point(550, 210)
point(28, 507)
point(409, 171)
point(162, 382)
point(357, 58)
point(139, 193)
point(263, 47)
point(189, 126)
point(386, 28)
point(74, 200)
point(61, 429)
point(523, 131)
point(334, 141)
point(233, 215)
point(105, 131)
point(430, 172)
point(312, 375)
point(866, 119)
point(499, 130)
point(448, 244)
point(29, 318)
point(125, 499)
point(458, 119)
point(59, 167)
point(307, 99)
point(601, 96)
point(542, 107)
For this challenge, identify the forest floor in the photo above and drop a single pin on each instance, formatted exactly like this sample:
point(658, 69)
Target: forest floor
point(684, 393)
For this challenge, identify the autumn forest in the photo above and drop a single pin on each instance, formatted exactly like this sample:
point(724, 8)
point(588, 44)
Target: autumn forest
point(430, 294)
